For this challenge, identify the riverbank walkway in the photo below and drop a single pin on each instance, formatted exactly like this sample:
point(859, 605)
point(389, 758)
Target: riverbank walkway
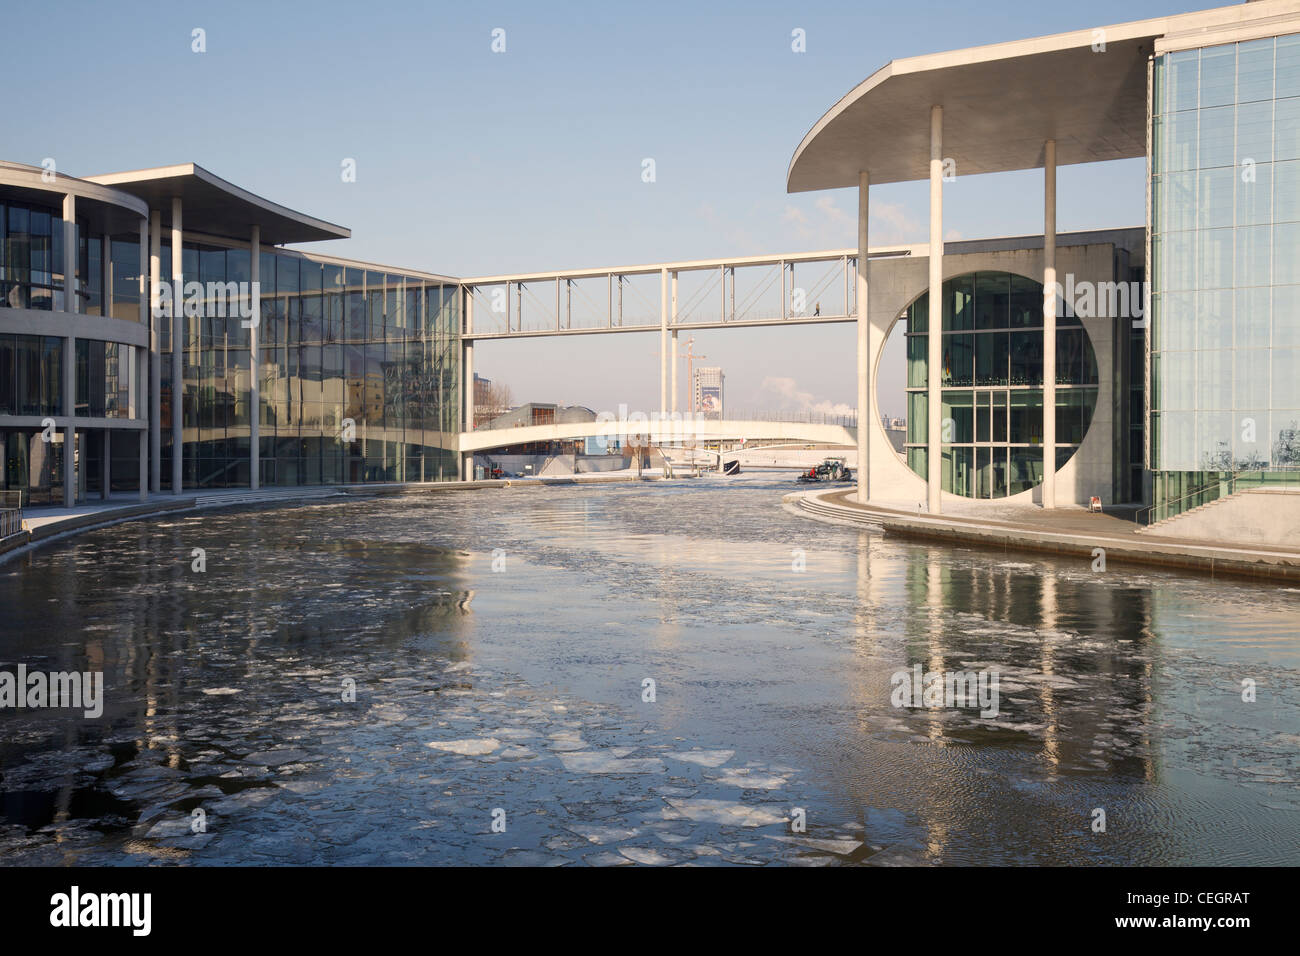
point(1073, 532)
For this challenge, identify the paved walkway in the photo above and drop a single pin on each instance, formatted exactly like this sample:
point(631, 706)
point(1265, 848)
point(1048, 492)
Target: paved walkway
point(1067, 531)
point(42, 523)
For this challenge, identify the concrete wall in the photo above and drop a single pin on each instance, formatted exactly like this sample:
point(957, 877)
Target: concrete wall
point(1258, 517)
point(896, 283)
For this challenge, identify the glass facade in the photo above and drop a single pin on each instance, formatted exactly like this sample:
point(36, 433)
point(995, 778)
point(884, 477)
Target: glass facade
point(357, 374)
point(1225, 270)
point(992, 385)
point(31, 375)
point(31, 264)
point(106, 380)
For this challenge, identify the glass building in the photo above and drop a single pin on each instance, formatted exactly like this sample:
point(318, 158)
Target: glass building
point(341, 347)
point(351, 375)
point(1190, 390)
point(1225, 330)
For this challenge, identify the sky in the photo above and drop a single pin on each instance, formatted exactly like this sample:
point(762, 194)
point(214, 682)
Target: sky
point(473, 162)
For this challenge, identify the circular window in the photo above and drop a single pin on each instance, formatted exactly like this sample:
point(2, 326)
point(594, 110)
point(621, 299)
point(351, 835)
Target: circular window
point(991, 384)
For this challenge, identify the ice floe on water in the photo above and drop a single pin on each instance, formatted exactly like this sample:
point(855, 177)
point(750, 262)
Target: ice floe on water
point(607, 762)
point(705, 758)
point(723, 811)
point(467, 748)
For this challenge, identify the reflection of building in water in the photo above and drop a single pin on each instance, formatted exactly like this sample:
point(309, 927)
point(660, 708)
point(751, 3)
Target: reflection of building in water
point(1076, 659)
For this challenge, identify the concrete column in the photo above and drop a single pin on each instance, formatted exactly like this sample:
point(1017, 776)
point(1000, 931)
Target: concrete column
point(934, 337)
point(1049, 324)
point(467, 365)
point(672, 355)
point(69, 466)
point(106, 465)
point(69, 391)
point(155, 356)
point(69, 410)
point(144, 282)
point(178, 345)
point(144, 465)
point(674, 381)
point(663, 341)
point(254, 386)
point(467, 384)
point(106, 276)
point(70, 253)
point(864, 346)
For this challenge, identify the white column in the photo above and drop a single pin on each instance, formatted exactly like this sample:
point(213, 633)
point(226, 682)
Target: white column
point(672, 318)
point(106, 465)
point(144, 465)
point(1049, 324)
point(254, 386)
point(468, 364)
point(155, 356)
point(864, 355)
point(70, 256)
point(178, 344)
point(106, 275)
point(143, 282)
point(467, 382)
point(663, 341)
point(674, 382)
point(69, 410)
point(934, 337)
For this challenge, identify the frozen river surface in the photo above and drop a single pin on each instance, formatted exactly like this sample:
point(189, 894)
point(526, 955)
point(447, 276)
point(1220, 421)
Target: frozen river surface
point(500, 645)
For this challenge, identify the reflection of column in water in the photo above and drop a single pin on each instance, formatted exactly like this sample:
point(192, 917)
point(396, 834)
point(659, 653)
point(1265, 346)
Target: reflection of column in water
point(868, 597)
point(1048, 617)
point(938, 600)
point(935, 607)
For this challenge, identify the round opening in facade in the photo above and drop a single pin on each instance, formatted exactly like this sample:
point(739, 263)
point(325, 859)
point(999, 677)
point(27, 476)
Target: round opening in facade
point(991, 384)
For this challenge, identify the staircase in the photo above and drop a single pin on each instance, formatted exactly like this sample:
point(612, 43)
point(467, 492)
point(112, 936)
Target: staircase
point(1254, 517)
point(1164, 523)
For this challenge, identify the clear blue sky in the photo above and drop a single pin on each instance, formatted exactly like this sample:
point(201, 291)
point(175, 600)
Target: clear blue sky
point(473, 163)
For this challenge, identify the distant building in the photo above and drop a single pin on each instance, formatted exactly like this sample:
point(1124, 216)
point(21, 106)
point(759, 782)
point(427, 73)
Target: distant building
point(709, 393)
point(482, 390)
point(541, 413)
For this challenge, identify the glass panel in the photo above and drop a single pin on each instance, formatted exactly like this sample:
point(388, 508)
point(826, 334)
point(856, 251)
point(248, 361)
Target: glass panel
point(1183, 76)
point(1217, 129)
point(1026, 470)
point(1254, 187)
point(958, 360)
point(1216, 196)
point(1179, 135)
point(957, 418)
point(959, 303)
point(1026, 410)
point(1288, 67)
point(1218, 75)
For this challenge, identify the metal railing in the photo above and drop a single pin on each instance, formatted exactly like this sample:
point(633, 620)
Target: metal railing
point(11, 521)
point(849, 420)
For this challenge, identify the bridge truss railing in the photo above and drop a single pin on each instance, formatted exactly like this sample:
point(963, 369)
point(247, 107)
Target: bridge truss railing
point(796, 288)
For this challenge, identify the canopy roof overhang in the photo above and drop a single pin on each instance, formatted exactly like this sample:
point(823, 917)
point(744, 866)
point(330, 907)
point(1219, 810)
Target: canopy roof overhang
point(1001, 103)
point(214, 207)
